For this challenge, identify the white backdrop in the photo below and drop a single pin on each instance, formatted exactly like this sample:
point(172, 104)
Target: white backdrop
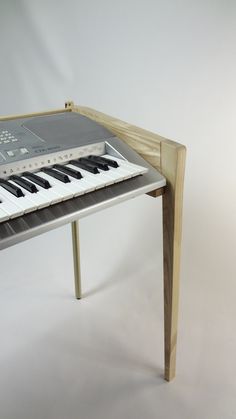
point(167, 66)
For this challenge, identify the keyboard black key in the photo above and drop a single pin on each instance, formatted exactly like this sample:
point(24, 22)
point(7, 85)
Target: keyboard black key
point(89, 168)
point(71, 172)
point(14, 190)
point(57, 175)
point(101, 159)
point(37, 179)
point(99, 165)
point(24, 183)
point(89, 163)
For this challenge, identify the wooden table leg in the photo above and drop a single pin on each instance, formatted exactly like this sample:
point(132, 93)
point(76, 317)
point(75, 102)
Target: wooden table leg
point(172, 164)
point(76, 258)
point(168, 157)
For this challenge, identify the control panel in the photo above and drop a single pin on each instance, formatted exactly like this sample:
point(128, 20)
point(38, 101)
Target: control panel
point(34, 142)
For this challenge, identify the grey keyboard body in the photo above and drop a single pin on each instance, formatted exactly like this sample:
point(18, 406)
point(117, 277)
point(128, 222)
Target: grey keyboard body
point(29, 144)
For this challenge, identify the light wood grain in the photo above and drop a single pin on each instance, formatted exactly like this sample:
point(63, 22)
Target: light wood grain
point(28, 115)
point(156, 192)
point(76, 258)
point(169, 158)
point(144, 142)
point(172, 167)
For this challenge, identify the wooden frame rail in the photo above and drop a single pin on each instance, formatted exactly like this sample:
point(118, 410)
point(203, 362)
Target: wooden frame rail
point(169, 158)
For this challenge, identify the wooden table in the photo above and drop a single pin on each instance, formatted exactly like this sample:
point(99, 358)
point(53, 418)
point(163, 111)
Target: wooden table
point(168, 157)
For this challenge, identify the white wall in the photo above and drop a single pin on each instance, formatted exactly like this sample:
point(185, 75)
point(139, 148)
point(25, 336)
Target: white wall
point(167, 66)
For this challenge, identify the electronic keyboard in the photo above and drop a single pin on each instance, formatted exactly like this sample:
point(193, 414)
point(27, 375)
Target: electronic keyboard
point(60, 167)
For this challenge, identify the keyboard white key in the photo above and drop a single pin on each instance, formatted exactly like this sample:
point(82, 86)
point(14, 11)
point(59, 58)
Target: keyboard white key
point(51, 196)
point(99, 180)
point(11, 209)
point(12, 206)
point(85, 183)
point(57, 186)
point(123, 174)
point(21, 202)
point(76, 186)
point(115, 175)
point(90, 178)
point(106, 180)
point(37, 198)
point(3, 215)
point(131, 168)
point(82, 185)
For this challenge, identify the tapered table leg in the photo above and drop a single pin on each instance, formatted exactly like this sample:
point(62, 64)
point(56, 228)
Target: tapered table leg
point(173, 161)
point(76, 258)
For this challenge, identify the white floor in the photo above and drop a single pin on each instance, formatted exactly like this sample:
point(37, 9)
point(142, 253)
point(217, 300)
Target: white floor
point(102, 357)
